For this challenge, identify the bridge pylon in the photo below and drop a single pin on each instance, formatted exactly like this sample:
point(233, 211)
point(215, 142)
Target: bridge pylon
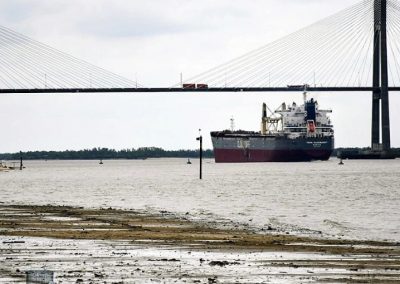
point(380, 94)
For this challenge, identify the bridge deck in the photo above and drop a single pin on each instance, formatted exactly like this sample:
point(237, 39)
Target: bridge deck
point(180, 90)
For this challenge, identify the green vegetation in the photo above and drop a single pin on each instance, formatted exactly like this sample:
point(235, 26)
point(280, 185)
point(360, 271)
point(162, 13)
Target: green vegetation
point(140, 153)
point(396, 151)
point(105, 153)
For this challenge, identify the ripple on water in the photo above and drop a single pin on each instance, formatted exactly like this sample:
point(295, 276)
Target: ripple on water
point(358, 200)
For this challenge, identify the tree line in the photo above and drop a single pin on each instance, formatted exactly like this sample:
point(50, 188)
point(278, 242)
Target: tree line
point(395, 151)
point(140, 153)
point(105, 153)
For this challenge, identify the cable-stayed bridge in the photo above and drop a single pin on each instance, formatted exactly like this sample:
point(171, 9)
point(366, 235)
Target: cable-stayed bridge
point(357, 49)
point(336, 52)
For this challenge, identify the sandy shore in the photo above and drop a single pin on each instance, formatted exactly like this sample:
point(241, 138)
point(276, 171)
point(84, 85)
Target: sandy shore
point(285, 256)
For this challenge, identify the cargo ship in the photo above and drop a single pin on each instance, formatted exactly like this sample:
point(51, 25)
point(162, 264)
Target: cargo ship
point(290, 134)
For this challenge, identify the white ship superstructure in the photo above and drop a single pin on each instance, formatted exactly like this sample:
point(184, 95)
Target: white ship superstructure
point(306, 120)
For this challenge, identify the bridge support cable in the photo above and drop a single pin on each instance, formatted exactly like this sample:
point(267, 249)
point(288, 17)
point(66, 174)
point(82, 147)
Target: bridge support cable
point(341, 40)
point(296, 55)
point(394, 42)
point(336, 51)
point(28, 64)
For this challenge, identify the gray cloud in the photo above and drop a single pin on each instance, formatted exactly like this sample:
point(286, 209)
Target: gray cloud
point(15, 11)
point(156, 18)
point(132, 26)
point(156, 40)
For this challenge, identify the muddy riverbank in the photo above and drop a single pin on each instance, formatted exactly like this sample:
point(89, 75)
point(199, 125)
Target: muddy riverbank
point(105, 238)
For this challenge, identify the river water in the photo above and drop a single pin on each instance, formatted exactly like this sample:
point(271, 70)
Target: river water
point(360, 199)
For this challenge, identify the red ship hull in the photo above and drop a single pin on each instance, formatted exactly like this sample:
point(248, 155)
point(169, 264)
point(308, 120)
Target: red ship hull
point(253, 155)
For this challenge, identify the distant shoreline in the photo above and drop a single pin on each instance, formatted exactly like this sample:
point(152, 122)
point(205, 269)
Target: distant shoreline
point(107, 154)
point(142, 153)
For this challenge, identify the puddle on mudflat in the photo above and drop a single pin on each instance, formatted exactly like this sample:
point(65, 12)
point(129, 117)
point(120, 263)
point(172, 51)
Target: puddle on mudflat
point(112, 261)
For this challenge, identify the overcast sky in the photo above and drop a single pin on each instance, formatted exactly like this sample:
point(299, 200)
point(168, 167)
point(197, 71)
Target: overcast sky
point(154, 41)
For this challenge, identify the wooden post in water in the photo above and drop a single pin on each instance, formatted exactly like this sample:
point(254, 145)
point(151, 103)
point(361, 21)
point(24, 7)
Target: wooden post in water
point(20, 164)
point(200, 138)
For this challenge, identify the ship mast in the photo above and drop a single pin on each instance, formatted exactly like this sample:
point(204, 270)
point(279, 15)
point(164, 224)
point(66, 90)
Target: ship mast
point(264, 119)
point(305, 94)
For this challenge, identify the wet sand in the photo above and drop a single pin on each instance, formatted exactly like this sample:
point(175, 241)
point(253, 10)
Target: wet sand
point(120, 240)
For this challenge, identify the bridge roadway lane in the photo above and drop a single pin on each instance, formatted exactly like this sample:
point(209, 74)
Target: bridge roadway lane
point(190, 90)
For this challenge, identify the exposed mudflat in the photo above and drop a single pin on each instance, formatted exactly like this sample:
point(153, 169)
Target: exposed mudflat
point(123, 246)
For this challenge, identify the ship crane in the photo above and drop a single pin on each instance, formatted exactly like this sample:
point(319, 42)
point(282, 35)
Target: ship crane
point(270, 124)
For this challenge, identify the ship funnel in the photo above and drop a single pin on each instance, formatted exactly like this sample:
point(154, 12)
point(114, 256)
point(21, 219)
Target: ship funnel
point(264, 119)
